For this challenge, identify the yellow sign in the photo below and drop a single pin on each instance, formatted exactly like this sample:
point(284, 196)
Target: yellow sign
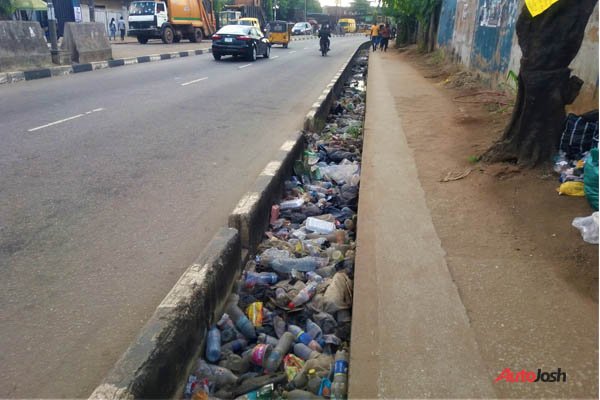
point(537, 7)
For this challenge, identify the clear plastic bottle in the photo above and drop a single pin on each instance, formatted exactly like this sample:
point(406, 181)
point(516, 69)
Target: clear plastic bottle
point(313, 329)
point(279, 325)
point(228, 331)
point(313, 276)
point(304, 352)
point(252, 279)
point(304, 264)
point(314, 382)
point(319, 226)
point(275, 357)
point(339, 386)
point(242, 323)
point(213, 344)
point(304, 338)
point(214, 373)
point(237, 345)
point(304, 295)
point(281, 296)
point(268, 339)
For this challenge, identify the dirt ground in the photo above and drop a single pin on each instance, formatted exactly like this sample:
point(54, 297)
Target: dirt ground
point(527, 279)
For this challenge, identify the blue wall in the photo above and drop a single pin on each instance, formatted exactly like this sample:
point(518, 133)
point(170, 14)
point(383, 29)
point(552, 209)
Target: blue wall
point(446, 24)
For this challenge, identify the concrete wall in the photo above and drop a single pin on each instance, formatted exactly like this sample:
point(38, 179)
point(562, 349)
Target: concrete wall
point(480, 34)
point(87, 42)
point(22, 46)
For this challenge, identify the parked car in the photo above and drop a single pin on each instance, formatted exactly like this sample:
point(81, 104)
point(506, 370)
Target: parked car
point(240, 40)
point(302, 28)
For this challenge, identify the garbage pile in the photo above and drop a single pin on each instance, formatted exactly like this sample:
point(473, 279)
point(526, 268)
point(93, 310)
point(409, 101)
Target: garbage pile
point(286, 329)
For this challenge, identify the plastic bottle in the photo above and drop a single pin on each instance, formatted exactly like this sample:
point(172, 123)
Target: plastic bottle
point(314, 382)
point(300, 395)
point(228, 331)
point(267, 339)
point(237, 346)
point(304, 295)
point(279, 325)
point(305, 352)
point(304, 338)
point(339, 386)
point(291, 204)
point(213, 344)
point(313, 329)
point(274, 358)
point(259, 353)
point(214, 373)
point(326, 272)
point(304, 264)
point(281, 296)
point(242, 323)
point(252, 279)
point(313, 276)
point(319, 226)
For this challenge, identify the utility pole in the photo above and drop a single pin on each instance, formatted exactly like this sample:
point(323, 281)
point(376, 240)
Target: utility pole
point(52, 32)
point(305, 17)
point(92, 8)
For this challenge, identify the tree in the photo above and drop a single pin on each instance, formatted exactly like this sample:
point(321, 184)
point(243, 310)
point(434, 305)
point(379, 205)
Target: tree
point(416, 18)
point(549, 42)
point(361, 7)
point(6, 9)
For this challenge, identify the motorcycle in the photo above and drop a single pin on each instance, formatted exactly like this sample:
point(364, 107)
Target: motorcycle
point(324, 43)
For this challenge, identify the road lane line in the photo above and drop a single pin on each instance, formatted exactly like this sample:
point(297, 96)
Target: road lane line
point(244, 66)
point(194, 81)
point(292, 52)
point(274, 57)
point(306, 48)
point(64, 120)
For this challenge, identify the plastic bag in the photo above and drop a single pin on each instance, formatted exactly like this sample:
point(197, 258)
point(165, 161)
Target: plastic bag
point(571, 189)
point(590, 178)
point(292, 365)
point(588, 226)
point(255, 313)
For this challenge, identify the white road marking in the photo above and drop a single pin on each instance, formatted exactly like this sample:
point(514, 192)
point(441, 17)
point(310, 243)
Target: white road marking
point(274, 57)
point(292, 52)
point(306, 48)
point(194, 81)
point(244, 66)
point(64, 120)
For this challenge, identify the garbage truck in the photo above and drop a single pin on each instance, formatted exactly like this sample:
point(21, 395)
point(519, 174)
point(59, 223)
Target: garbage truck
point(171, 20)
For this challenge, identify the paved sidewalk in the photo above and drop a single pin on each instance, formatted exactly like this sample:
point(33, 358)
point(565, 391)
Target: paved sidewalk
point(411, 337)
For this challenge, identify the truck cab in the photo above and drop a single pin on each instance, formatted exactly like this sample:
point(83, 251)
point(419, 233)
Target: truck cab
point(170, 20)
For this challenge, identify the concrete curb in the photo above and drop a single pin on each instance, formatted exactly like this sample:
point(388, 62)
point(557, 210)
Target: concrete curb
point(251, 215)
point(158, 360)
point(17, 76)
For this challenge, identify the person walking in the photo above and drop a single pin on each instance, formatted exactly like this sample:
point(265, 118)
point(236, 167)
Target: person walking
point(380, 40)
point(374, 36)
point(112, 26)
point(122, 27)
point(386, 33)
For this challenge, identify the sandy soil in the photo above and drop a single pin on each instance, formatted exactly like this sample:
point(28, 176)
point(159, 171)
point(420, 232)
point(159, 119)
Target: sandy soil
point(527, 279)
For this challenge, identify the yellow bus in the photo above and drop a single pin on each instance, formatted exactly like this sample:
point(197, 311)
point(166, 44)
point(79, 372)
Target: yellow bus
point(347, 24)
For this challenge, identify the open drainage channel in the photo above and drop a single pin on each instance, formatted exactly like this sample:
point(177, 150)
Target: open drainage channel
point(286, 328)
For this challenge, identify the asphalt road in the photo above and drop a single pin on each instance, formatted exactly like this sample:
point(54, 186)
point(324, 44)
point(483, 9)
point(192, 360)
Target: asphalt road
point(112, 182)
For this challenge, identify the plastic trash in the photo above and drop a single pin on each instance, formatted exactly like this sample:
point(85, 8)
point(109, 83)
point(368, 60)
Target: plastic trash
point(213, 344)
point(341, 173)
point(255, 313)
point(590, 178)
point(588, 226)
point(291, 204)
point(242, 323)
point(338, 295)
point(279, 326)
point(314, 277)
point(319, 226)
point(228, 331)
point(339, 386)
point(216, 375)
point(313, 329)
point(236, 346)
point(234, 362)
point(305, 338)
point(571, 188)
point(292, 365)
point(275, 358)
point(314, 382)
point(304, 295)
point(267, 339)
point(298, 394)
point(304, 352)
point(259, 353)
point(252, 279)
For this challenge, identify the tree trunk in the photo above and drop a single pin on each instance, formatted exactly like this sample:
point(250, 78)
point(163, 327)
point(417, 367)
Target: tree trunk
point(433, 28)
point(549, 43)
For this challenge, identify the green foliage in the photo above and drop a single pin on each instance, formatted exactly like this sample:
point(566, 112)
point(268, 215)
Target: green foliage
point(419, 9)
point(361, 7)
point(6, 9)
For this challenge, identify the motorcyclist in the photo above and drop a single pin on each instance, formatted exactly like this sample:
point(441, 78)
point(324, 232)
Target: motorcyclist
point(324, 35)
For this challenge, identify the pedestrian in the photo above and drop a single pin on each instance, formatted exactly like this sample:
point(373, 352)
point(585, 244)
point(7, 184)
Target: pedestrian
point(380, 40)
point(112, 26)
point(394, 32)
point(374, 36)
point(122, 27)
point(385, 37)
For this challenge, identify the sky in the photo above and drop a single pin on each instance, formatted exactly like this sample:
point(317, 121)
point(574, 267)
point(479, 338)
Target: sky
point(345, 3)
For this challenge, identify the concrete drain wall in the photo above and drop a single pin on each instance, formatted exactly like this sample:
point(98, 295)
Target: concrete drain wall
point(167, 350)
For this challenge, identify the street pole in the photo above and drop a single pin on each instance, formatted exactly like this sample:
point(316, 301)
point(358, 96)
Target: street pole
point(92, 8)
point(52, 31)
point(305, 17)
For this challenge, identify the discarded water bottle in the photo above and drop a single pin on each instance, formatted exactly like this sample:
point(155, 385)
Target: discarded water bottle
point(304, 295)
point(279, 325)
point(314, 382)
point(326, 272)
point(236, 346)
point(268, 339)
point(313, 276)
point(313, 329)
point(214, 373)
point(339, 386)
point(304, 338)
point(213, 344)
point(319, 226)
point(252, 279)
point(291, 204)
point(305, 352)
point(281, 296)
point(304, 264)
point(228, 331)
point(274, 358)
point(242, 323)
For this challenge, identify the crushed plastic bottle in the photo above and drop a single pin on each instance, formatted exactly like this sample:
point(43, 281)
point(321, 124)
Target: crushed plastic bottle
point(304, 295)
point(213, 344)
